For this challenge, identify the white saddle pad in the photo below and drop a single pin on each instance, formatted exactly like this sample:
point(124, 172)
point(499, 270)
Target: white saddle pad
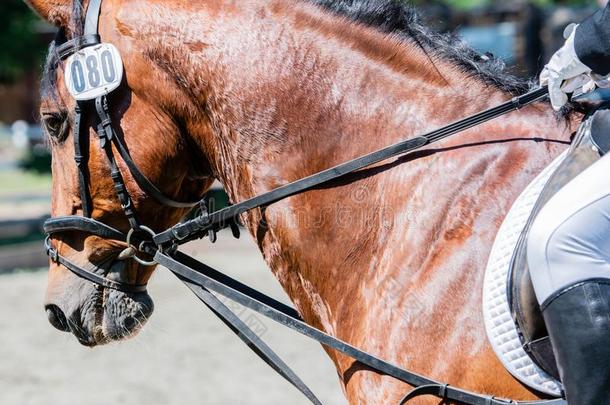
point(499, 323)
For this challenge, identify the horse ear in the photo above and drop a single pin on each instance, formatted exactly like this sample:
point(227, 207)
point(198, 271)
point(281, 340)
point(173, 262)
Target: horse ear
point(57, 12)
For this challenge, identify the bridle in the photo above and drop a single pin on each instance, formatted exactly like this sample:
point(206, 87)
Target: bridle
point(203, 280)
point(138, 235)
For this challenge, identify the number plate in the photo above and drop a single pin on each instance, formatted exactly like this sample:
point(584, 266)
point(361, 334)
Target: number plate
point(94, 71)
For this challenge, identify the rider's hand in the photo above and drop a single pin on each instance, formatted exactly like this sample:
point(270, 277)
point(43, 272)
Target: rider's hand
point(565, 73)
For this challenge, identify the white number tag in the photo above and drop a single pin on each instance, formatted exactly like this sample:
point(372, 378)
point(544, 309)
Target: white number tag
point(94, 71)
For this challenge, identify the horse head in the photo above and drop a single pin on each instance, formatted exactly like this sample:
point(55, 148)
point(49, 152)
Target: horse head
point(156, 142)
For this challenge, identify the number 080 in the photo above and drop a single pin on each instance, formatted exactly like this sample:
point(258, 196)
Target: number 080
point(94, 72)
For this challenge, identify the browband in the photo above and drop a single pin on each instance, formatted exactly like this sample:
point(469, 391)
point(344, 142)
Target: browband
point(74, 45)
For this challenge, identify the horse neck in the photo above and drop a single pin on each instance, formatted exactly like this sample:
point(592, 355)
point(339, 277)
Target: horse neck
point(324, 92)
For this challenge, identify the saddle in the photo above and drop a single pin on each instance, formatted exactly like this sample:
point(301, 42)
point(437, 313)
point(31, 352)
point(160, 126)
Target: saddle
point(592, 141)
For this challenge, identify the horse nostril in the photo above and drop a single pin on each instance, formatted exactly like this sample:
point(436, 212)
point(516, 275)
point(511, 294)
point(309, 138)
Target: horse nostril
point(129, 323)
point(57, 318)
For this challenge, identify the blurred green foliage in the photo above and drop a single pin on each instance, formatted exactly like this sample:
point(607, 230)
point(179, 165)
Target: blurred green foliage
point(20, 48)
point(37, 160)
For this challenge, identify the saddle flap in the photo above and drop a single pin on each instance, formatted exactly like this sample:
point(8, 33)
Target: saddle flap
point(521, 296)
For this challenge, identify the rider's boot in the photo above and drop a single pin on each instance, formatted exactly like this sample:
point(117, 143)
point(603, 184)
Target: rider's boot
point(578, 321)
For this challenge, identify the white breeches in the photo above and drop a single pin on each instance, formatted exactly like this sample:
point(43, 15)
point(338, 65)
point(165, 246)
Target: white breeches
point(570, 239)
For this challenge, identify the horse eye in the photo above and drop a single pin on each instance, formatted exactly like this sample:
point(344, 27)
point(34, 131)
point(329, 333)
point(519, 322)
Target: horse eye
point(56, 125)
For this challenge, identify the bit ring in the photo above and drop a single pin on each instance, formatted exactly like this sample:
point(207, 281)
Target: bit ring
point(137, 248)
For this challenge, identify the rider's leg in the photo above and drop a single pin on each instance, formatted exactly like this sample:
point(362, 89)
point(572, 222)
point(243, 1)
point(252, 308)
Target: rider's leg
point(569, 260)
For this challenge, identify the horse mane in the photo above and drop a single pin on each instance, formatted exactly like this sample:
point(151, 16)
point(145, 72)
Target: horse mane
point(401, 18)
point(390, 16)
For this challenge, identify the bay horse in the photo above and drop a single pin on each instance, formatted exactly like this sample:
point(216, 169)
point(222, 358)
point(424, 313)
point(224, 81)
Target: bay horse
point(256, 94)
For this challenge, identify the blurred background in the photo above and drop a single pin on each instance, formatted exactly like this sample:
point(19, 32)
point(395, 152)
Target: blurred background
point(184, 356)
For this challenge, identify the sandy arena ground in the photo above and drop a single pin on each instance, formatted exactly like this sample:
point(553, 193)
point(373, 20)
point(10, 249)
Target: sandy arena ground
point(183, 356)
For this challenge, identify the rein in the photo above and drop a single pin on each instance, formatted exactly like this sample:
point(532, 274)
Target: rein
point(203, 280)
point(193, 228)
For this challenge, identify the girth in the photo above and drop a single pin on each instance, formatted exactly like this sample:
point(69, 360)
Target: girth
point(205, 281)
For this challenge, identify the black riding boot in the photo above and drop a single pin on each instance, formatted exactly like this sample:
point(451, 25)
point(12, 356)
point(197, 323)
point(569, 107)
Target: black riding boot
point(578, 322)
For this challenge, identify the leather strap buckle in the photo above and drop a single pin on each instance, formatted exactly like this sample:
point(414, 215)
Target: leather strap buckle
point(51, 252)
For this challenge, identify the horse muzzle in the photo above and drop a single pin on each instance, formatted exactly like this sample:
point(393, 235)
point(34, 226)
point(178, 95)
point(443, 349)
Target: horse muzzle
point(96, 315)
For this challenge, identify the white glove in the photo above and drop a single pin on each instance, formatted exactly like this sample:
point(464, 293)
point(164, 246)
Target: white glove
point(565, 73)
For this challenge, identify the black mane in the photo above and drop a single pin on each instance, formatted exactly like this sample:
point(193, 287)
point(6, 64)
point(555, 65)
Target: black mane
point(391, 16)
point(399, 17)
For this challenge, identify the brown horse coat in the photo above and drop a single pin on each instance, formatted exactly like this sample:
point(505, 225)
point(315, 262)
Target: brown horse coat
point(260, 93)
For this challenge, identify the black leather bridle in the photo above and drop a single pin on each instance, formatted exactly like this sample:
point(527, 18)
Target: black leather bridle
point(138, 234)
point(202, 279)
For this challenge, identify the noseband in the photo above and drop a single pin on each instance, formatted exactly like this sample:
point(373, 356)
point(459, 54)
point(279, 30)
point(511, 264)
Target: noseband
point(139, 236)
